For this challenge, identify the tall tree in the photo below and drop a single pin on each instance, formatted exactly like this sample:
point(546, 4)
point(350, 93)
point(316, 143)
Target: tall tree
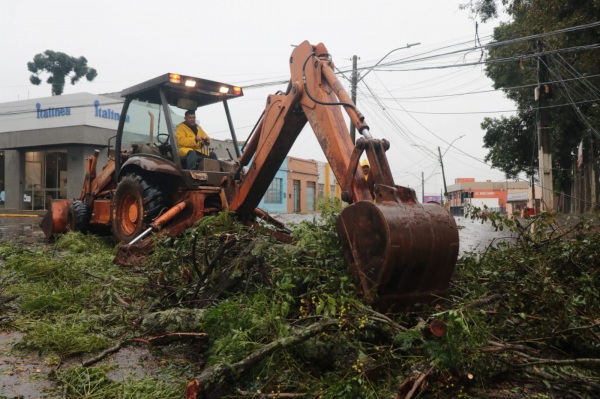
point(561, 31)
point(60, 66)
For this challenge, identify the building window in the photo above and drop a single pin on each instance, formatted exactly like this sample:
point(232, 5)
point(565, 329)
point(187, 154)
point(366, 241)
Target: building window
point(273, 195)
point(321, 190)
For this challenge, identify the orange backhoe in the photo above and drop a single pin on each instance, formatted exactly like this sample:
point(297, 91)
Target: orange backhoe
point(400, 251)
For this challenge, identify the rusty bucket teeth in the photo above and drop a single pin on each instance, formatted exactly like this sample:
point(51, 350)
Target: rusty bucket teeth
point(400, 254)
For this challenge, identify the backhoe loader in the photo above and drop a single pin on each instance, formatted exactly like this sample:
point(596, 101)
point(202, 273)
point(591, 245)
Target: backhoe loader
point(400, 251)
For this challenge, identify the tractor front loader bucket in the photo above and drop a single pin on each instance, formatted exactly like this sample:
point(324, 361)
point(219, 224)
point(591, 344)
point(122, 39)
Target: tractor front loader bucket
point(56, 220)
point(400, 252)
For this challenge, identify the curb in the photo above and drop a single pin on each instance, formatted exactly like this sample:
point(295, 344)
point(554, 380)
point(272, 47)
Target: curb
point(15, 215)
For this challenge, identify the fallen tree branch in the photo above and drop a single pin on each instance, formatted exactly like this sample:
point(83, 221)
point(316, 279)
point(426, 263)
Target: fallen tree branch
point(557, 362)
point(173, 319)
point(498, 347)
point(588, 327)
point(111, 350)
point(229, 242)
point(270, 395)
point(194, 260)
point(417, 382)
point(483, 301)
point(8, 299)
point(563, 381)
point(381, 318)
point(230, 275)
point(218, 374)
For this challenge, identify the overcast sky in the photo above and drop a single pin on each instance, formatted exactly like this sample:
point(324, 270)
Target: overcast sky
point(418, 106)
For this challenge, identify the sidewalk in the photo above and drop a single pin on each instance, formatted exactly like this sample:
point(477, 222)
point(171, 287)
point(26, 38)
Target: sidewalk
point(19, 213)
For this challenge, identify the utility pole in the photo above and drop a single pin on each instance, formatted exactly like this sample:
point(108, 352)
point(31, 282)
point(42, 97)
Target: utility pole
point(533, 193)
point(544, 142)
point(354, 83)
point(422, 187)
point(443, 175)
point(592, 176)
point(355, 80)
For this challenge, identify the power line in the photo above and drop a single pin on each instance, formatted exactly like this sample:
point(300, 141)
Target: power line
point(499, 60)
point(499, 43)
point(410, 59)
point(492, 112)
point(532, 85)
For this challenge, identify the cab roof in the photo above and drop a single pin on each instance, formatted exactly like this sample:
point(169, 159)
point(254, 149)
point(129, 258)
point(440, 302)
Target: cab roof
point(177, 87)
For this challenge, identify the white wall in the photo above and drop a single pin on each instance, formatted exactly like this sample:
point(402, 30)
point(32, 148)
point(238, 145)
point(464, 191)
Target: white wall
point(60, 111)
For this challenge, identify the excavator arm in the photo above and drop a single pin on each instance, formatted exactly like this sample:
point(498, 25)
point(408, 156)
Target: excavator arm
point(314, 95)
point(400, 252)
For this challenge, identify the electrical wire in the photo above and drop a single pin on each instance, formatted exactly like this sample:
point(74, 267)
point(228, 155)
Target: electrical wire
point(444, 96)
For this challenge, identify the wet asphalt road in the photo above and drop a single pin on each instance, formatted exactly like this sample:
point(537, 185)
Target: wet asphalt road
point(473, 236)
point(22, 228)
point(476, 237)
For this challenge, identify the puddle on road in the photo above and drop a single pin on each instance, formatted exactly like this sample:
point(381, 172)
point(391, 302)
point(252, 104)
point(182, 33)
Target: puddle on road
point(475, 236)
point(22, 229)
point(23, 375)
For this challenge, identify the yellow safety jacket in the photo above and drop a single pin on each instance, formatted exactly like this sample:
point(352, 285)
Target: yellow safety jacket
point(186, 140)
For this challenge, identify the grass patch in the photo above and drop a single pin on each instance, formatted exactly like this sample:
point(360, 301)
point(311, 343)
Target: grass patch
point(94, 383)
point(71, 300)
point(63, 337)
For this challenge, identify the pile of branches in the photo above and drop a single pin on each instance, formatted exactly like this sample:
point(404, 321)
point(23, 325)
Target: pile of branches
point(284, 321)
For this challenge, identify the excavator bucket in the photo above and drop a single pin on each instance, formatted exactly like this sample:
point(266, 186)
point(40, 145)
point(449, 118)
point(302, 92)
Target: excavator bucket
point(55, 221)
point(400, 252)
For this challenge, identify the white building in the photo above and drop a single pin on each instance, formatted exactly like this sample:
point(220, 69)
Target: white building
point(44, 143)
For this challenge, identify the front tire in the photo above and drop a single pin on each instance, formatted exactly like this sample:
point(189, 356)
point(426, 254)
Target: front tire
point(78, 218)
point(135, 204)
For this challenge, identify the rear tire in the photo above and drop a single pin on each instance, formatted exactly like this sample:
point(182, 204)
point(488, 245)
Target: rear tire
point(78, 218)
point(135, 204)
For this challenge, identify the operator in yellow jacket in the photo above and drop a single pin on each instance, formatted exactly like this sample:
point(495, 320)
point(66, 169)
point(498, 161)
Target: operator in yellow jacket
point(366, 170)
point(192, 141)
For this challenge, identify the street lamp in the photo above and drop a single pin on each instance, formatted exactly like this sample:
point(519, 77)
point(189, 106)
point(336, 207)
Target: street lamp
point(355, 80)
point(452, 142)
point(408, 45)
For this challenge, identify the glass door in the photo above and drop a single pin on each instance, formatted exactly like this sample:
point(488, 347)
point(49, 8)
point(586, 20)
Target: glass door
point(32, 192)
point(55, 182)
point(45, 178)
